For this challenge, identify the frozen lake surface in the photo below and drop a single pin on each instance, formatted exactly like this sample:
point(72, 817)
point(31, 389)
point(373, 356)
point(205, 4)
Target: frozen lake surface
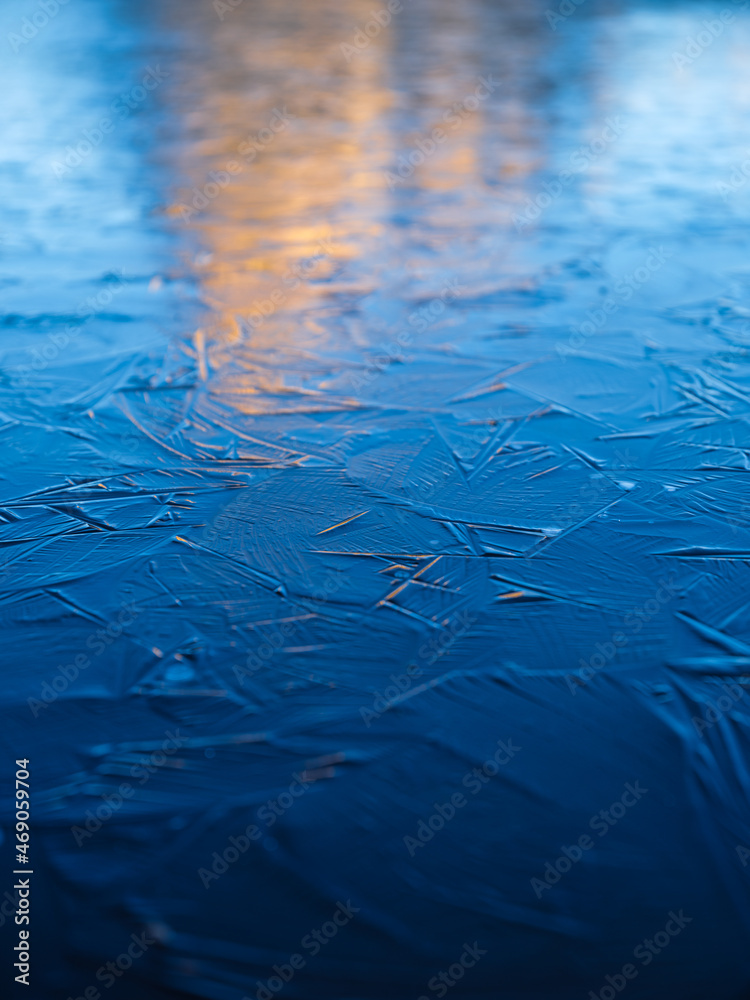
point(375, 404)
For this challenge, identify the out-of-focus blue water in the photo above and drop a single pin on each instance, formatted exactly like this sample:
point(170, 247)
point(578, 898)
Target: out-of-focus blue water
point(374, 388)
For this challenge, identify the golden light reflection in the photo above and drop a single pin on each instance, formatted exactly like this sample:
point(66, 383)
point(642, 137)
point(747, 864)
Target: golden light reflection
point(300, 160)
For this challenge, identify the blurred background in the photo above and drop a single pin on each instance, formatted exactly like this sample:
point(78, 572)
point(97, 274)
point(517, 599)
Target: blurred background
point(349, 341)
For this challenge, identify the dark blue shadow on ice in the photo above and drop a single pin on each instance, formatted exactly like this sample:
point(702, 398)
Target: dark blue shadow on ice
point(375, 516)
